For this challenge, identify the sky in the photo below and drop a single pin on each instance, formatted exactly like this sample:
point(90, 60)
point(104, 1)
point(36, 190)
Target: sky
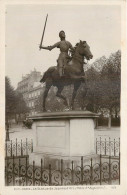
point(99, 25)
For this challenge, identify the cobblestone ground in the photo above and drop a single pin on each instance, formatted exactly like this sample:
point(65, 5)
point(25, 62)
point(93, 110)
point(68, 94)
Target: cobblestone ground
point(20, 132)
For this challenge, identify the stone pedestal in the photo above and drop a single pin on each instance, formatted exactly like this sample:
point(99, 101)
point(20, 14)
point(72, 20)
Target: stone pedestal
point(63, 135)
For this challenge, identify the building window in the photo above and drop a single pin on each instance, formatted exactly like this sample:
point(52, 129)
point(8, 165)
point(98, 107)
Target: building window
point(38, 93)
point(29, 104)
point(32, 104)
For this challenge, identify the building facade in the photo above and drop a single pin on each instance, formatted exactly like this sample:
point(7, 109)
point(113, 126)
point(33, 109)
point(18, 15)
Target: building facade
point(28, 81)
point(31, 89)
point(32, 96)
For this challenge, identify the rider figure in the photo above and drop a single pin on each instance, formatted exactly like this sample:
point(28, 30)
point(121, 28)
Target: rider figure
point(64, 47)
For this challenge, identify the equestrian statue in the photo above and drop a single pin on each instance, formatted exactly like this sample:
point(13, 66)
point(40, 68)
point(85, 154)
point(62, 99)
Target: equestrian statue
point(69, 69)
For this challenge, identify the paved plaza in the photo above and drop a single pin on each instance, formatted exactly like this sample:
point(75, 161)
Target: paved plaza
point(20, 132)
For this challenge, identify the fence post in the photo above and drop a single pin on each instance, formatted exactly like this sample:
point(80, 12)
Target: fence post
point(61, 171)
point(11, 148)
point(119, 167)
point(26, 170)
point(13, 173)
point(96, 145)
point(114, 148)
point(109, 147)
point(21, 148)
point(100, 170)
point(41, 172)
point(31, 145)
point(33, 173)
point(91, 170)
point(82, 170)
point(7, 171)
point(19, 169)
point(72, 172)
point(105, 146)
point(16, 146)
point(50, 175)
point(26, 147)
point(100, 145)
point(109, 170)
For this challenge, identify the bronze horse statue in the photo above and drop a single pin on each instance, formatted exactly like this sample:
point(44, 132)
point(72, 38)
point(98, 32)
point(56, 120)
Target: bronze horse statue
point(73, 74)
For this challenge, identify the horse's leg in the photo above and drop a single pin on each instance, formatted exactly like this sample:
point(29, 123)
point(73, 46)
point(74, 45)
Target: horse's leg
point(76, 86)
point(58, 94)
point(47, 87)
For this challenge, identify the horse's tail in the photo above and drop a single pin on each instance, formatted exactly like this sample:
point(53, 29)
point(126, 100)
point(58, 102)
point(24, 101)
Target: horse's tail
point(47, 74)
point(44, 77)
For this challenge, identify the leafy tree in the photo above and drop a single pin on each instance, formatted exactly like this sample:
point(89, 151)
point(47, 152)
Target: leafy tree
point(10, 98)
point(88, 94)
point(103, 86)
point(21, 107)
point(14, 101)
point(99, 63)
point(110, 77)
point(110, 83)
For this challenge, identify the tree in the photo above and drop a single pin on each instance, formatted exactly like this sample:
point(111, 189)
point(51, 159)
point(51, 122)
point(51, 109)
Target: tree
point(110, 84)
point(103, 86)
point(10, 98)
point(14, 101)
point(88, 94)
point(99, 63)
point(21, 108)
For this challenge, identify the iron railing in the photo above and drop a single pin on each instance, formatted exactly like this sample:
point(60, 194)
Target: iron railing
point(108, 147)
point(105, 171)
point(18, 148)
point(105, 147)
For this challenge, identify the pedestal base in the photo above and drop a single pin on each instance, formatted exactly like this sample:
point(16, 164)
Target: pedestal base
point(63, 135)
point(55, 161)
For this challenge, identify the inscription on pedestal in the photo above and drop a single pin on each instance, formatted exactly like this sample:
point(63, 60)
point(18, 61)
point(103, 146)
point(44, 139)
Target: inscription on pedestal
point(53, 136)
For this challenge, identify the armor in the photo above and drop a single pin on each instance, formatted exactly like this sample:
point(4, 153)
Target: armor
point(64, 47)
point(62, 60)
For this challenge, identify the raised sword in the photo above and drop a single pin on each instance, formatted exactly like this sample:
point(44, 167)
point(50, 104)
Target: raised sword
point(43, 32)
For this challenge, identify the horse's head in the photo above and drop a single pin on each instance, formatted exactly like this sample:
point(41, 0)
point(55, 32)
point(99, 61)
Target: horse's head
point(84, 50)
